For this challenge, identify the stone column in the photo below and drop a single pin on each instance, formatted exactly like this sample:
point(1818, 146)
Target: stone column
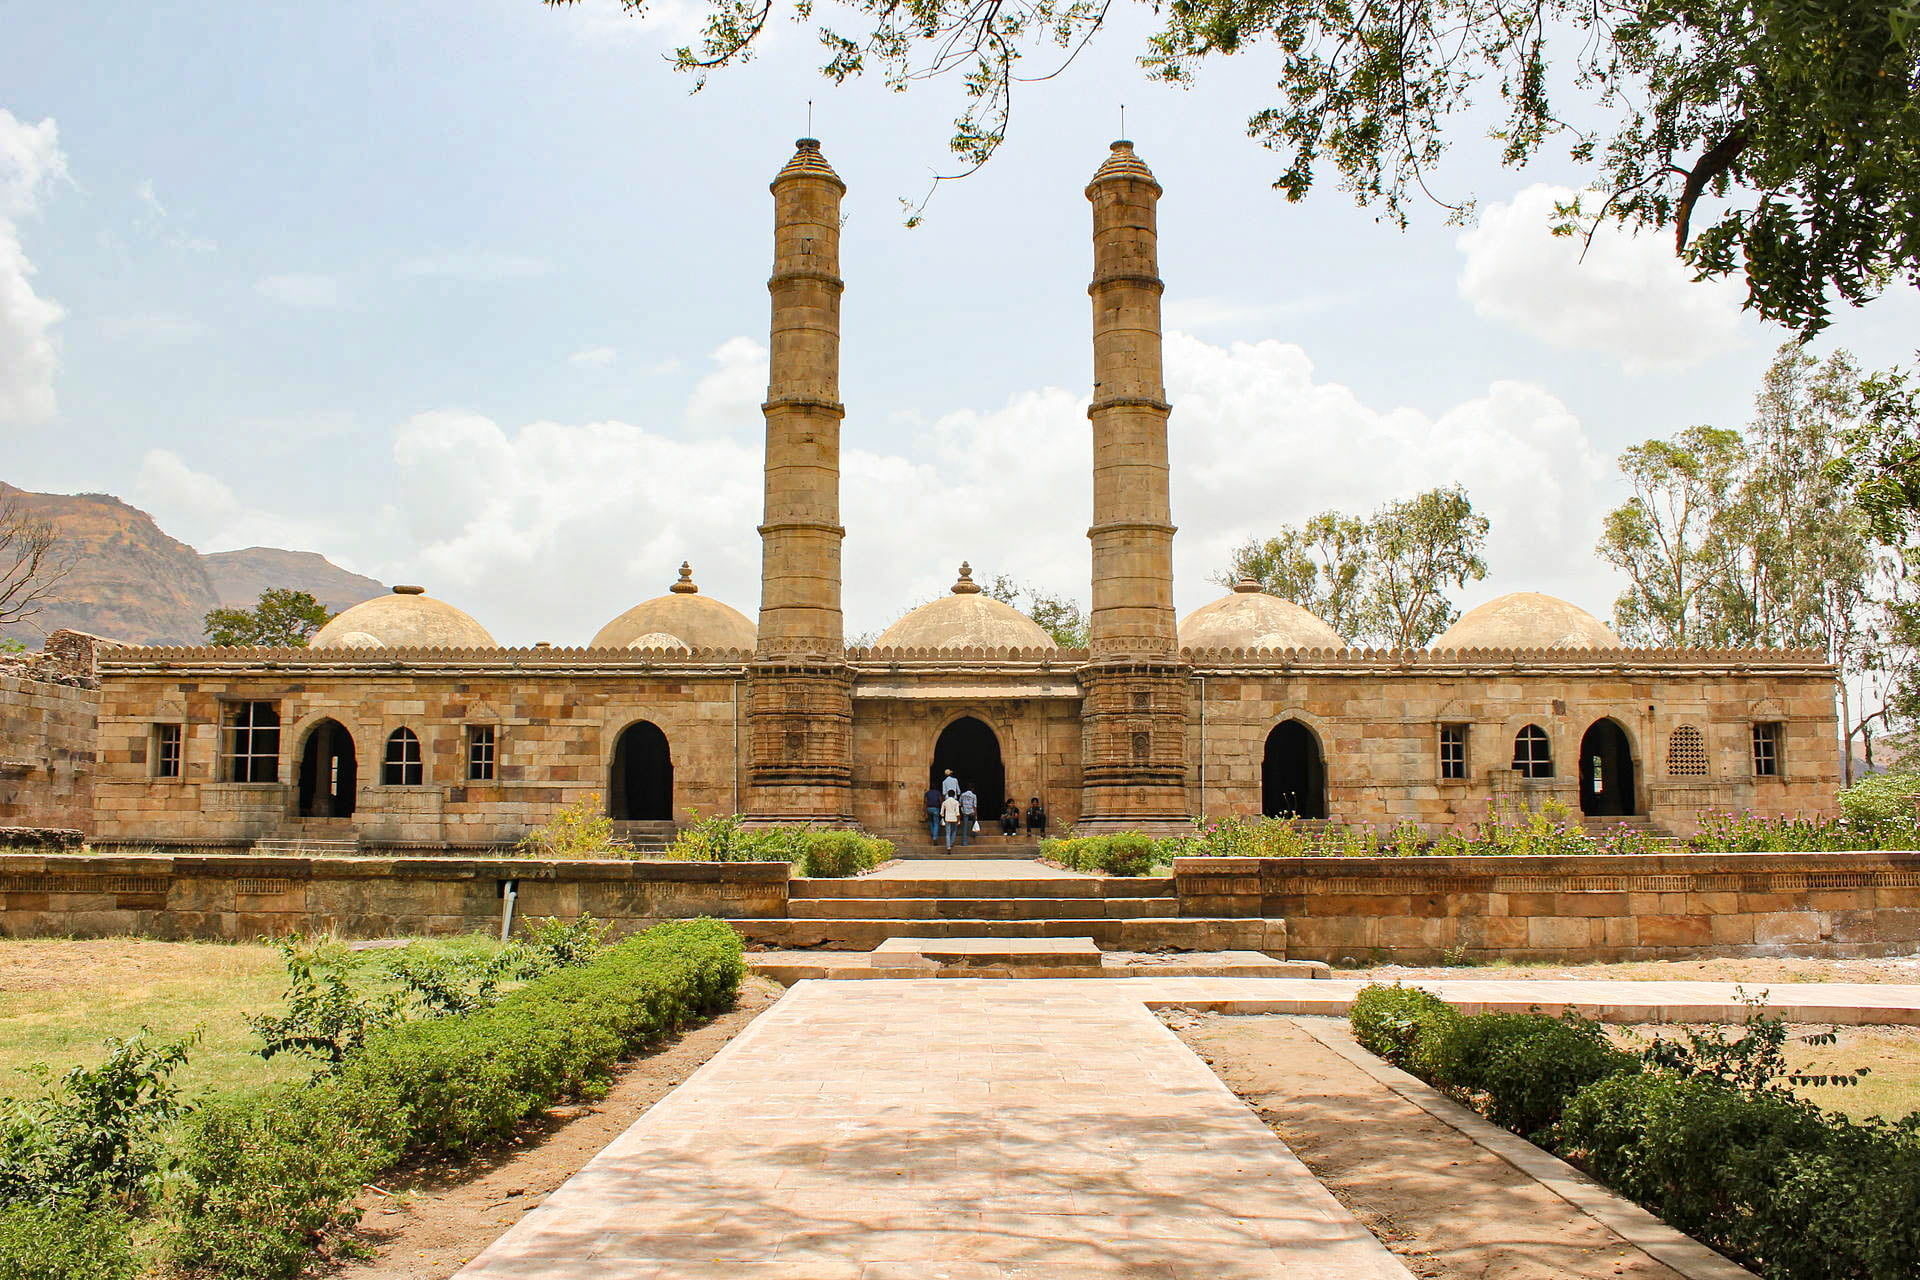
point(800, 689)
point(1136, 689)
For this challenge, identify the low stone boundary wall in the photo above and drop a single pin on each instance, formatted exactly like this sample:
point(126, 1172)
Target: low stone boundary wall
point(1626, 907)
point(239, 897)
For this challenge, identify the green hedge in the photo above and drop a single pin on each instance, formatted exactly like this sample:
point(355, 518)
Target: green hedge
point(263, 1179)
point(813, 851)
point(71, 1240)
point(1776, 1183)
point(1127, 853)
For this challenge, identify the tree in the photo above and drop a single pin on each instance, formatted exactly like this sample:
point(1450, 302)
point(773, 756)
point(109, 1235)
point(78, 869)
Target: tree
point(1060, 617)
point(31, 564)
point(1662, 535)
point(1383, 580)
point(283, 619)
point(1754, 539)
point(1794, 124)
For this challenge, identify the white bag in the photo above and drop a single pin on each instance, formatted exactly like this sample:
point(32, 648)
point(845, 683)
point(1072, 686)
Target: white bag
point(976, 827)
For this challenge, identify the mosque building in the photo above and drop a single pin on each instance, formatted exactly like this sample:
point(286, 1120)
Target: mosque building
point(406, 725)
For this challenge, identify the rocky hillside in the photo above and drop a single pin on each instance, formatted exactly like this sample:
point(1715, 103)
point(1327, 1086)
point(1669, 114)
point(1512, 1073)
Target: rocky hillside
point(130, 581)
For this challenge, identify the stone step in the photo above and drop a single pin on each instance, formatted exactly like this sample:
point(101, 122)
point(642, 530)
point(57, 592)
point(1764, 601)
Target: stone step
point(987, 957)
point(790, 967)
point(946, 908)
point(885, 887)
point(1151, 933)
point(937, 853)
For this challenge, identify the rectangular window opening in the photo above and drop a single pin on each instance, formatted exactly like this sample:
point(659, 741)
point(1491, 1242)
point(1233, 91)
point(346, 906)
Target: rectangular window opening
point(480, 753)
point(1453, 751)
point(166, 750)
point(252, 742)
point(1766, 749)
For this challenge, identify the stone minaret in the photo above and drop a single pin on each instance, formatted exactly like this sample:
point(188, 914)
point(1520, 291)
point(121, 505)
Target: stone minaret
point(800, 690)
point(1135, 711)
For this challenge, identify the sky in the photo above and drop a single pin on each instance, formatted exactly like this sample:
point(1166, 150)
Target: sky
point(471, 294)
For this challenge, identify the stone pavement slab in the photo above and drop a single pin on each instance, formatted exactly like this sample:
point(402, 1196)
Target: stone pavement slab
point(1614, 1000)
point(970, 1129)
point(973, 869)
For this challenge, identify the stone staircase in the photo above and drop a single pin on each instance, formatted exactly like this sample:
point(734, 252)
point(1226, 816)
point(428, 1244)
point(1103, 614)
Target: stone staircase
point(1120, 913)
point(647, 836)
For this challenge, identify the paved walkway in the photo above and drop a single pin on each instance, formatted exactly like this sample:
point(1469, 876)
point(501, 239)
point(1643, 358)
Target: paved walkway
point(940, 1130)
point(972, 869)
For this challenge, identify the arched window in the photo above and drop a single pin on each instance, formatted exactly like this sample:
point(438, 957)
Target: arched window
point(1686, 753)
point(402, 766)
point(1532, 753)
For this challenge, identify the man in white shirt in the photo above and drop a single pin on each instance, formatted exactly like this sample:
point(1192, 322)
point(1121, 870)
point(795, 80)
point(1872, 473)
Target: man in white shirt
point(950, 816)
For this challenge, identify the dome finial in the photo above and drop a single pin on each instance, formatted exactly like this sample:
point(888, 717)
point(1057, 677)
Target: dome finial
point(1247, 585)
point(685, 586)
point(966, 586)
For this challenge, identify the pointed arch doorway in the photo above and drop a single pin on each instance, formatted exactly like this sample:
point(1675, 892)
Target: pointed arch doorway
point(329, 775)
point(972, 750)
point(1293, 776)
point(640, 785)
point(1606, 771)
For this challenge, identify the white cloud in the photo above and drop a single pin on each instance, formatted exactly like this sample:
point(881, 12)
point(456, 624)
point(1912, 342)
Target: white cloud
point(298, 290)
point(729, 398)
point(1192, 315)
point(143, 192)
point(1629, 297)
point(593, 357)
point(548, 530)
point(473, 267)
point(30, 162)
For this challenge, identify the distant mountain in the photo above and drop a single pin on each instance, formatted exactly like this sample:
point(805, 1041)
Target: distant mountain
point(130, 581)
point(239, 577)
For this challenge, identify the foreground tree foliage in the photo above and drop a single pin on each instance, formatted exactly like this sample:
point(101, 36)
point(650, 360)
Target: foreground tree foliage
point(283, 619)
point(1383, 580)
point(31, 563)
point(1790, 128)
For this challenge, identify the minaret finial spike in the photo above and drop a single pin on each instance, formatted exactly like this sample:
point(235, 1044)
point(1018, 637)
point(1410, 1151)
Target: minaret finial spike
point(1123, 119)
point(809, 117)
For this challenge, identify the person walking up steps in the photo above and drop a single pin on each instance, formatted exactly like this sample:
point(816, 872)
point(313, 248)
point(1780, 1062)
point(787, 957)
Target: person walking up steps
point(949, 785)
point(969, 816)
point(933, 813)
point(950, 817)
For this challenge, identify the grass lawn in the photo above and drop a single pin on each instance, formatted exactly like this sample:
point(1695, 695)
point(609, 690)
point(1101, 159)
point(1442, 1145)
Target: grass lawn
point(60, 998)
point(1891, 1087)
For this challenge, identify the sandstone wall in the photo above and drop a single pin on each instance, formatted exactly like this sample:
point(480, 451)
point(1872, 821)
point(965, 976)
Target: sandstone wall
point(554, 741)
point(1419, 910)
point(46, 753)
point(237, 898)
point(1378, 737)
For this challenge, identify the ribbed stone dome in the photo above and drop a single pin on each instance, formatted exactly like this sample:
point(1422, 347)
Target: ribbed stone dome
point(409, 618)
point(1528, 620)
point(1249, 618)
point(657, 640)
point(965, 619)
point(696, 621)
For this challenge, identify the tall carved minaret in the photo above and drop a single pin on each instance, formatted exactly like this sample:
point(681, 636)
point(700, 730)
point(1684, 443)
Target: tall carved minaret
point(800, 690)
point(1135, 710)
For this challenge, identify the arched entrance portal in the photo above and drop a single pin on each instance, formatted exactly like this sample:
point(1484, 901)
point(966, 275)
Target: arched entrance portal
point(972, 751)
point(1606, 771)
point(328, 775)
point(1293, 779)
point(641, 786)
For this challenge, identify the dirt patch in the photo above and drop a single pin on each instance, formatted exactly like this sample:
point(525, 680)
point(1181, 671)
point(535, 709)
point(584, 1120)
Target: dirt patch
point(440, 1216)
point(1446, 1206)
point(1754, 971)
point(1891, 1055)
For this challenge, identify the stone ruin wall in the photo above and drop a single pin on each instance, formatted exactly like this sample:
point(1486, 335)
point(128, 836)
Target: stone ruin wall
point(555, 739)
point(1378, 736)
point(49, 704)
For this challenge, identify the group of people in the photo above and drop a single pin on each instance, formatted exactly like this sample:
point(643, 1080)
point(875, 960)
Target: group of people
point(953, 812)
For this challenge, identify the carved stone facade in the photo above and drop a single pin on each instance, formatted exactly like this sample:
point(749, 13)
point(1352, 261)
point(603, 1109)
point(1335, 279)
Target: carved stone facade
point(367, 737)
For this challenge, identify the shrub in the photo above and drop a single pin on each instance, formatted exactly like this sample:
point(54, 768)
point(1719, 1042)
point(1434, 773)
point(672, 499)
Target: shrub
point(844, 853)
point(554, 943)
point(1526, 1065)
point(66, 1241)
point(1397, 1022)
point(578, 830)
point(265, 1179)
point(1880, 798)
point(1126, 853)
point(95, 1133)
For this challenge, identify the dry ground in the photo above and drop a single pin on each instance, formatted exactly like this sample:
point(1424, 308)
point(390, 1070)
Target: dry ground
point(1755, 971)
point(440, 1216)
